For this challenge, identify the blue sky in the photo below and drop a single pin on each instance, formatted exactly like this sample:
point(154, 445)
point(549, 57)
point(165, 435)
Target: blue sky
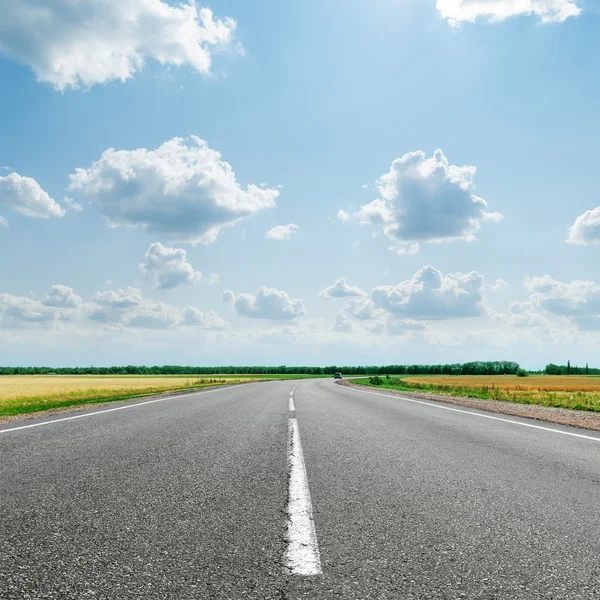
point(280, 115)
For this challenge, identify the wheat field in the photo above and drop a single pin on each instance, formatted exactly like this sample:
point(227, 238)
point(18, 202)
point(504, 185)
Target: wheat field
point(32, 393)
point(575, 383)
point(578, 392)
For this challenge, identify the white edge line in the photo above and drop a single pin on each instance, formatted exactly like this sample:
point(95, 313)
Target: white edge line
point(302, 555)
point(468, 412)
point(101, 412)
point(291, 405)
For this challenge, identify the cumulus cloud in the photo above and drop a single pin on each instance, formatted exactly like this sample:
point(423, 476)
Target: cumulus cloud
point(343, 216)
point(25, 196)
point(426, 200)
point(208, 320)
point(363, 309)
point(182, 190)
point(340, 289)
point(281, 232)
point(167, 268)
point(553, 305)
point(457, 11)
point(72, 44)
point(429, 295)
point(342, 323)
point(214, 278)
point(578, 300)
point(128, 308)
point(586, 229)
point(498, 286)
point(372, 319)
point(62, 296)
point(60, 304)
point(268, 303)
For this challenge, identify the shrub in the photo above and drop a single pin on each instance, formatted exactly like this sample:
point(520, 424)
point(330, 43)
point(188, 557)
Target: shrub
point(375, 380)
point(522, 373)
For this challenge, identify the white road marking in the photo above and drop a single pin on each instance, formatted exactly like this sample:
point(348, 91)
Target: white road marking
point(292, 406)
point(302, 555)
point(474, 414)
point(100, 412)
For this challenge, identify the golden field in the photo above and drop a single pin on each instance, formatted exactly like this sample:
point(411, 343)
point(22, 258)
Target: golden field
point(512, 382)
point(578, 392)
point(31, 393)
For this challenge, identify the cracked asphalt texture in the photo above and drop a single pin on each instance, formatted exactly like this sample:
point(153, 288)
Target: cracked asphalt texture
point(186, 499)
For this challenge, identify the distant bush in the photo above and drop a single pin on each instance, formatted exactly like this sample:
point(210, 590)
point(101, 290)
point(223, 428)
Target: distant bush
point(522, 373)
point(376, 380)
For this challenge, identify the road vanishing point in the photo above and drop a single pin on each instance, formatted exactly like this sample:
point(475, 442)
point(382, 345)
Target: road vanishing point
point(297, 489)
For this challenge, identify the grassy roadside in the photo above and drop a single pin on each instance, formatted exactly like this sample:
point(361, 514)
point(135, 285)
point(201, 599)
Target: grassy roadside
point(30, 394)
point(574, 399)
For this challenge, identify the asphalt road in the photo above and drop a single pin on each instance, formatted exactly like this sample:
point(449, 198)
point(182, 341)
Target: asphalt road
point(188, 498)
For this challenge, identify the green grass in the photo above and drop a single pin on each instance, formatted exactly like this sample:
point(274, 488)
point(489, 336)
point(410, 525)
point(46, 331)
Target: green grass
point(571, 399)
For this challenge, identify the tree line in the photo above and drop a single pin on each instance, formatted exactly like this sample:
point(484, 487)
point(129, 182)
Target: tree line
point(470, 368)
point(570, 369)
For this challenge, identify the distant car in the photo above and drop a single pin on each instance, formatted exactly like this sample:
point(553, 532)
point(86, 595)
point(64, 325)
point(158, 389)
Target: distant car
point(337, 376)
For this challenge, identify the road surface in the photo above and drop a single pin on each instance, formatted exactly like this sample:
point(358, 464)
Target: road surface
point(189, 497)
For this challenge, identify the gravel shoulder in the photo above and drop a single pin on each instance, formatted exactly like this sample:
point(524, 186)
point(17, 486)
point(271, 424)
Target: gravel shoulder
point(562, 416)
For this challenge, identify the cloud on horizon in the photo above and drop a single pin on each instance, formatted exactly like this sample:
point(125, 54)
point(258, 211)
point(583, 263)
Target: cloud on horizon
point(267, 303)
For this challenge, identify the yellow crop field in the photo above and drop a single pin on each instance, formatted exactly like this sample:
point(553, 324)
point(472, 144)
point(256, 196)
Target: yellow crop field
point(31, 393)
point(548, 383)
point(565, 391)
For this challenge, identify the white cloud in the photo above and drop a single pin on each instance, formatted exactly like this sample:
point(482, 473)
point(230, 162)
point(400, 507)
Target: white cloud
point(342, 323)
point(209, 320)
point(429, 295)
point(343, 216)
point(340, 289)
point(268, 303)
point(457, 11)
point(182, 190)
point(363, 309)
point(72, 205)
point(25, 196)
point(281, 232)
point(128, 308)
point(62, 296)
point(405, 249)
point(69, 44)
point(214, 278)
point(577, 300)
point(167, 268)
point(586, 229)
point(60, 304)
point(498, 286)
point(426, 200)
point(402, 327)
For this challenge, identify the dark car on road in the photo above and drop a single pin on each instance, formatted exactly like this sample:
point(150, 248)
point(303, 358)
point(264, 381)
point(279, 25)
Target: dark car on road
point(338, 375)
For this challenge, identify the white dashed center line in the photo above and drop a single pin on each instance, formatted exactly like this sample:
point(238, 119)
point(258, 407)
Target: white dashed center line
point(302, 555)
